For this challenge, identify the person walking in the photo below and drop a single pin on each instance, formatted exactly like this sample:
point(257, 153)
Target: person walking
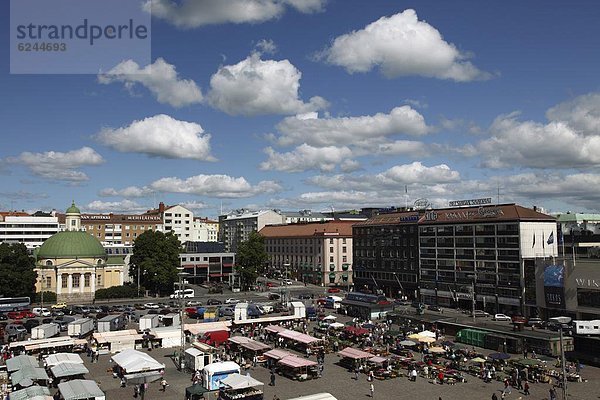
point(164, 384)
point(372, 390)
point(552, 393)
point(356, 374)
point(272, 378)
point(526, 388)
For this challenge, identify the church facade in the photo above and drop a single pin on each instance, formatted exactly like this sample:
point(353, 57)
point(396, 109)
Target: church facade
point(74, 264)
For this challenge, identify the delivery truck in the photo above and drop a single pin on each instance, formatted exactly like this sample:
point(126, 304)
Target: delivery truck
point(148, 321)
point(45, 331)
point(80, 327)
point(112, 323)
point(214, 338)
point(591, 327)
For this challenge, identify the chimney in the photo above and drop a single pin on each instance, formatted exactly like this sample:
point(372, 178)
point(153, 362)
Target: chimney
point(161, 207)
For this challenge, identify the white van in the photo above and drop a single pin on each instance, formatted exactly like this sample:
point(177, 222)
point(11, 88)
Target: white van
point(187, 294)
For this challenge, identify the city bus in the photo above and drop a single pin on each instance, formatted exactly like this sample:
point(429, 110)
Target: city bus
point(14, 303)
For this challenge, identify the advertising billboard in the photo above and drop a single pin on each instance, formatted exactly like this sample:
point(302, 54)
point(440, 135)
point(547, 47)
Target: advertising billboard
point(554, 286)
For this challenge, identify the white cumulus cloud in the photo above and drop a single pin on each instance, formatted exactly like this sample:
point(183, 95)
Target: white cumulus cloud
point(114, 206)
point(310, 129)
point(195, 13)
point(257, 87)
point(162, 136)
point(128, 192)
point(214, 186)
point(55, 165)
point(160, 78)
point(401, 45)
point(537, 145)
point(582, 113)
point(305, 157)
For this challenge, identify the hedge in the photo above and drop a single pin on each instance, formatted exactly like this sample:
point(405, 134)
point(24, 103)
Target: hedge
point(119, 292)
point(49, 297)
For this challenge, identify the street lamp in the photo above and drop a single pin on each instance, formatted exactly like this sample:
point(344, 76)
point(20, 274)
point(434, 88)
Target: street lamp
point(473, 278)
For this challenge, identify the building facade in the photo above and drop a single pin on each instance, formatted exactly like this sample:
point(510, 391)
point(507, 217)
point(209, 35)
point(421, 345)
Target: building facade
point(31, 230)
point(237, 226)
point(386, 254)
point(74, 264)
point(303, 216)
point(207, 262)
point(318, 253)
point(205, 230)
point(488, 252)
point(119, 230)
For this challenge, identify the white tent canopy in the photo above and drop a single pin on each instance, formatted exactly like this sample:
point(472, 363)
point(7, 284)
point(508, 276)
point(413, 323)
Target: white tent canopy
point(239, 381)
point(135, 361)
point(330, 318)
point(55, 359)
point(68, 369)
point(428, 334)
point(80, 389)
point(27, 375)
point(31, 392)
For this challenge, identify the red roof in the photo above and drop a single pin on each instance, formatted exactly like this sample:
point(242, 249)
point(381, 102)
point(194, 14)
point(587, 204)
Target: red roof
point(330, 228)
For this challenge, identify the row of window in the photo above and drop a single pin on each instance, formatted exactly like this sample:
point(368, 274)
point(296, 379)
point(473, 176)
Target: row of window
point(298, 242)
point(369, 230)
point(388, 276)
point(118, 227)
point(449, 230)
point(397, 253)
point(383, 241)
point(76, 280)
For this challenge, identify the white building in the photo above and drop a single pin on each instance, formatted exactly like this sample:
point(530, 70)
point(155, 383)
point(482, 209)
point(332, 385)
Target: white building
point(236, 226)
point(30, 230)
point(180, 221)
point(205, 230)
point(303, 216)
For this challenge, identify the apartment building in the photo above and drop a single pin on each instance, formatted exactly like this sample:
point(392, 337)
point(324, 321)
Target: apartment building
point(236, 226)
point(318, 253)
point(207, 262)
point(205, 230)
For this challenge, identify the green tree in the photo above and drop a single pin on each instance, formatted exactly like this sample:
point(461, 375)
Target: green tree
point(156, 257)
point(251, 259)
point(17, 277)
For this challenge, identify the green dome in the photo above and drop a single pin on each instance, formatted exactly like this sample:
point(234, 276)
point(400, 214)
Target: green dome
point(73, 209)
point(71, 244)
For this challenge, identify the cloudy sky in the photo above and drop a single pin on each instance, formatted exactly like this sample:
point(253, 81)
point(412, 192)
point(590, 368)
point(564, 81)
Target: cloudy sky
point(297, 104)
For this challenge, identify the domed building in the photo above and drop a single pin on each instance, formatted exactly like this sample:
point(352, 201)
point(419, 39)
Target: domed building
point(74, 264)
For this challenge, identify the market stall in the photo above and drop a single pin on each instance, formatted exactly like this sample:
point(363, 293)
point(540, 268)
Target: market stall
point(81, 389)
point(199, 329)
point(299, 340)
point(297, 368)
point(59, 344)
point(18, 362)
point(27, 376)
point(115, 341)
point(166, 337)
point(240, 387)
point(68, 370)
point(31, 392)
point(196, 359)
point(137, 367)
point(352, 358)
point(55, 359)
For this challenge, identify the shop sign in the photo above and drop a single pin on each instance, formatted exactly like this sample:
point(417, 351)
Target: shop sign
point(471, 202)
point(591, 283)
point(421, 204)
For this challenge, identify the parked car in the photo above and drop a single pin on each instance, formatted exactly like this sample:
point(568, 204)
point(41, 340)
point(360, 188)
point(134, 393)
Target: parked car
point(213, 302)
point(151, 306)
point(304, 296)
point(62, 325)
point(193, 303)
point(479, 313)
point(83, 310)
point(333, 290)
point(287, 282)
point(226, 311)
point(57, 313)
point(434, 307)
point(14, 315)
point(271, 284)
point(232, 301)
point(59, 306)
point(518, 319)
point(501, 317)
point(3, 317)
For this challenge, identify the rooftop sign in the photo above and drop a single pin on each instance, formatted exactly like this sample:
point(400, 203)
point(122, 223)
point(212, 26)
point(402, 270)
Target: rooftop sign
point(471, 202)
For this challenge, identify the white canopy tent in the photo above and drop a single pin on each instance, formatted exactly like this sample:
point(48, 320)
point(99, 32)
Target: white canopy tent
point(65, 369)
point(55, 359)
point(169, 336)
point(81, 389)
point(317, 396)
point(31, 392)
point(133, 361)
point(239, 381)
point(18, 362)
point(26, 376)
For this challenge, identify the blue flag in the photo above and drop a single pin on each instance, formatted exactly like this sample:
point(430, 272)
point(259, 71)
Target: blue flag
point(550, 238)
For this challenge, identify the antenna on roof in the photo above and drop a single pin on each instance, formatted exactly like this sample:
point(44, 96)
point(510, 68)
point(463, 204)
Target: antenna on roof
point(498, 196)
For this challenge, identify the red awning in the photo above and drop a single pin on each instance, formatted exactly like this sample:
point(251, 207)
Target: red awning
point(354, 354)
point(296, 362)
point(277, 354)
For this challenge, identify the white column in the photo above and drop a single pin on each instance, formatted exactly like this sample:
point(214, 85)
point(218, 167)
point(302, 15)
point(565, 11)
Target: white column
point(121, 280)
point(81, 282)
point(70, 283)
point(58, 283)
point(93, 283)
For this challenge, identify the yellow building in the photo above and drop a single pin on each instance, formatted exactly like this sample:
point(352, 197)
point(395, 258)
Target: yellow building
point(73, 263)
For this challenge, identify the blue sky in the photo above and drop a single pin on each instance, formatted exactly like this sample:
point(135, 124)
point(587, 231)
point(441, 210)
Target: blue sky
point(297, 104)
